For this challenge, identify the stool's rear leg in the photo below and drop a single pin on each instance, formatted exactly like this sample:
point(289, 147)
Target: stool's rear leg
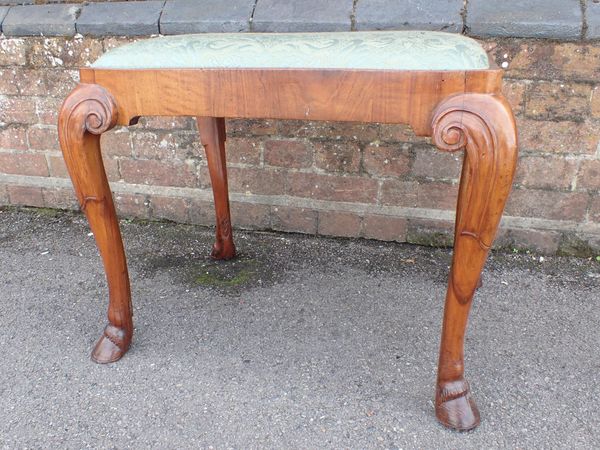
point(88, 112)
point(484, 126)
point(212, 137)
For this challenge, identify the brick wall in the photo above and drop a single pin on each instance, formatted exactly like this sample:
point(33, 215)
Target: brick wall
point(374, 181)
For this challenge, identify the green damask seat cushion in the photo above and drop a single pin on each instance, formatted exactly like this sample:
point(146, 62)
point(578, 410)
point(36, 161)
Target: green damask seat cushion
point(391, 50)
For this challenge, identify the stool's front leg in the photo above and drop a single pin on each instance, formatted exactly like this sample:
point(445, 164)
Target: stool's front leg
point(484, 126)
point(212, 137)
point(88, 112)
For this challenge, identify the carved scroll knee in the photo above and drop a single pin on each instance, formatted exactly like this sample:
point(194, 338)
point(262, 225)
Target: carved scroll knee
point(483, 125)
point(212, 135)
point(88, 112)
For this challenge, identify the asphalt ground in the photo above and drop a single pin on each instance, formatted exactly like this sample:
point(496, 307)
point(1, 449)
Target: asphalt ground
point(301, 342)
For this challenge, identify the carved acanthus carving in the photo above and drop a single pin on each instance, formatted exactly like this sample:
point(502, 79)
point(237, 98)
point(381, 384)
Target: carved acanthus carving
point(86, 113)
point(483, 126)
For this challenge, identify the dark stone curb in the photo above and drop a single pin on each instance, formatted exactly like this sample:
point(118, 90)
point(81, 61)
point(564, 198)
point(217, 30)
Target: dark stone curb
point(551, 19)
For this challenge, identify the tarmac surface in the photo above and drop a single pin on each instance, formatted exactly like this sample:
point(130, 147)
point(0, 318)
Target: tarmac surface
point(301, 342)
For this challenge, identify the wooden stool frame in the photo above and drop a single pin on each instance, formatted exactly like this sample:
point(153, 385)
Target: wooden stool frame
point(460, 110)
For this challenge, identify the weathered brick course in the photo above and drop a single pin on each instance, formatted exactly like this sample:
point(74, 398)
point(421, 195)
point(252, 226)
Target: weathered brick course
point(385, 228)
point(297, 220)
point(589, 175)
point(384, 160)
point(339, 223)
point(546, 172)
point(288, 153)
point(13, 137)
point(33, 164)
point(397, 185)
point(548, 204)
point(26, 195)
point(558, 101)
point(160, 173)
point(342, 157)
point(255, 181)
point(330, 187)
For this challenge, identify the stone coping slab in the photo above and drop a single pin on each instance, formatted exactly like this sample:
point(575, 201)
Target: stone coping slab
point(547, 19)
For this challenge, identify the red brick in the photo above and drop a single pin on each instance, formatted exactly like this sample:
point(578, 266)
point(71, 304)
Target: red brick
point(514, 91)
point(384, 228)
point(250, 127)
point(13, 52)
point(423, 195)
point(558, 101)
point(557, 137)
point(337, 156)
point(594, 212)
point(47, 110)
point(398, 133)
point(30, 82)
point(297, 220)
point(437, 196)
point(204, 181)
point(116, 142)
point(242, 151)
point(539, 241)
point(24, 164)
point(166, 145)
point(202, 212)
point(57, 167)
point(43, 138)
point(434, 164)
point(596, 102)
point(158, 173)
point(363, 132)
point(545, 172)
point(13, 138)
point(26, 195)
point(381, 160)
point(111, 166)
point(341, 189)
point(256, 181)
point(437, 233)
point(132, 205)
point(60, 198)
point(589, 175)
point(547, 204)
point(170, 208)
point(9, 82)
point(337, 223)
point(253, 216)
point(17, 110)
point(59, 83)
point(167, 123)
point(399, 193)
point(63, 52)
point(288, 153)
point(548, 60)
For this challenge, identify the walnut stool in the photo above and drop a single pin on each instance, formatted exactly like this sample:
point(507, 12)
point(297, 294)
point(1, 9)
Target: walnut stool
point(442, 85)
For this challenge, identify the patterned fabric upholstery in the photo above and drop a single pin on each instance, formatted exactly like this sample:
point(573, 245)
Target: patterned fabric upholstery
point(390, 50)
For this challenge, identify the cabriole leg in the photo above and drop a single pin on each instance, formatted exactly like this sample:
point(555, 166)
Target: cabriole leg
point(212, 137)
point(88, 112)
point(484, 126)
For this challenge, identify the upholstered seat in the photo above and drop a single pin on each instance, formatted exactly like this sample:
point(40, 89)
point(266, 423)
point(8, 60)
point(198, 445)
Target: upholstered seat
point(378, 50)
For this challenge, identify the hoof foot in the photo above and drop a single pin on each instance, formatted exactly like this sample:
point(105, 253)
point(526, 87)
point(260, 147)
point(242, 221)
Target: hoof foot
point(223, 250)
point(454, 406)
point(112, 345)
